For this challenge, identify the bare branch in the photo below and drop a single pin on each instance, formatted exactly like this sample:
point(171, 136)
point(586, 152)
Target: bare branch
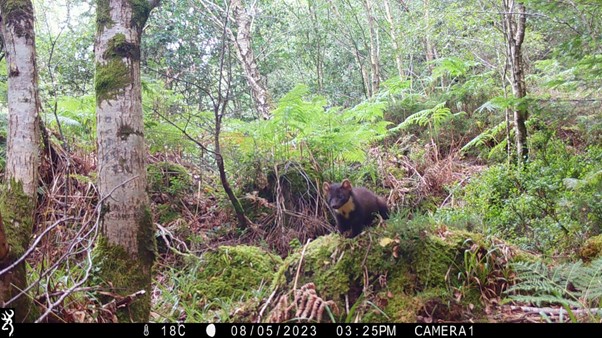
point(183, 131)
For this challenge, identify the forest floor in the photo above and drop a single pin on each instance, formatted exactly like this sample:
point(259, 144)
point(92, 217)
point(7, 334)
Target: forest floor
point(193, 221)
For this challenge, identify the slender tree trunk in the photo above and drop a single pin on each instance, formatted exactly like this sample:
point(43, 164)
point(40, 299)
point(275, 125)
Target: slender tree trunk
point(355, 50)
point(427, 37)
point(363, 72)
point(374, 48)
point(393, 33)
point(431, 51)
point(127, 247)
point(514, 32)
point(243, 221)
point(247, 59)
point(18, 197)
point(318, 54)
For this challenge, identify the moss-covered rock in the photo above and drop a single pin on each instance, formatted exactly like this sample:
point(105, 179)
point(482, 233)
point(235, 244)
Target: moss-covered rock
point(441, 254)
point(344, 269)
point(392, 275)
point(233, 272)
point(591, 249)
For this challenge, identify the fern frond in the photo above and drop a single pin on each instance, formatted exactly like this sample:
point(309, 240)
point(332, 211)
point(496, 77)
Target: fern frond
point(572, 284)
point(485, 136)
point(436, 116)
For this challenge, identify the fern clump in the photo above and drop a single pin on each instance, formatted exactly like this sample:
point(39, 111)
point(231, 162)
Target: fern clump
point(572, 285)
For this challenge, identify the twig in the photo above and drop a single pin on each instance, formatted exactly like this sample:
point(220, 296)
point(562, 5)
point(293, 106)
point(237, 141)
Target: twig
point(167, 242)
point(265, 305)
point(71, 289)
point(300, 262)
point(124, 301)
point(58, 293)
point(33, 246)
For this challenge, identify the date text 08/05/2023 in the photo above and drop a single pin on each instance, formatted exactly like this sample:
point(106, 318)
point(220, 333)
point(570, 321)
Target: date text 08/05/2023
point(346, 330)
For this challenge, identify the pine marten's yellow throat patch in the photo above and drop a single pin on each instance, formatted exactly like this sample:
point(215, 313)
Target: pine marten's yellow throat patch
point(346, 208)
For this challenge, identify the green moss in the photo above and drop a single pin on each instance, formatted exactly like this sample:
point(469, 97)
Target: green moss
point(441, 255)
point(17, 213)
point(438, 305)
point(397, 301)
point(166, 213)
point(110, 79)
point(147, 242)
point(169, 178)
point(591, 249)
point(232, 272)
point(118, 47)
point(334, 264)
point(524, 256)
point(103, 15)
point(19, 15)
point(140, 12)
point(123, 274)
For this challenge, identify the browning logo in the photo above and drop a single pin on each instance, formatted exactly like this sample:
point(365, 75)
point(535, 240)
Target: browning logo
point(6, 315)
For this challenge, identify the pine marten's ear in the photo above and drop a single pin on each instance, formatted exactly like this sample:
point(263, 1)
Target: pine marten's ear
point(346, 184)
point(326, 188)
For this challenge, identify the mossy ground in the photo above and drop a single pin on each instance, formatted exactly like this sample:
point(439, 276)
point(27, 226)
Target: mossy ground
point(223, 285)
point(233, 271)
point(383, 275)
point(336, 266)
point(441, 255)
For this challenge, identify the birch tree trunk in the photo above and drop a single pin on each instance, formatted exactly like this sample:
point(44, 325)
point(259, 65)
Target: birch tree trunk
point(18, 198)
point(431, 51)
point(374, 48)
point(23, 158)
point(244, 50)
point(127, 245)
point(393, 33)
point(23, 102)
point(514, 32)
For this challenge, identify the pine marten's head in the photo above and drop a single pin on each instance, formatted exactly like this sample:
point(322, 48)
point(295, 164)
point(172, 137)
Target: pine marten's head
point(338, 196)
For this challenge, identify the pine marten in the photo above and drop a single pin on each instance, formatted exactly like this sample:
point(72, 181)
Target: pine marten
point(354, 208)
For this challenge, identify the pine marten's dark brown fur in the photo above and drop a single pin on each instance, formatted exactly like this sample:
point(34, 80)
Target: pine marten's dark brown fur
point(354, 208)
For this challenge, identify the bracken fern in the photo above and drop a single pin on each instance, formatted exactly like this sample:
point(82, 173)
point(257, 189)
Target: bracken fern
point(577, 284)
